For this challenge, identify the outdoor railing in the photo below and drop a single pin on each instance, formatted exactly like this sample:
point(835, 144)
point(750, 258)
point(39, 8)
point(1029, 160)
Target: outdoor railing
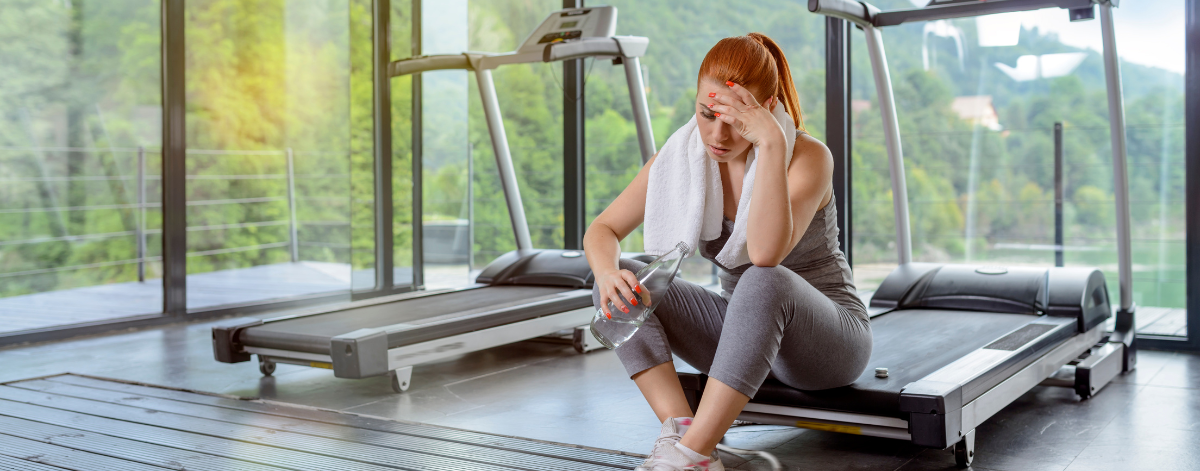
point(140, 231)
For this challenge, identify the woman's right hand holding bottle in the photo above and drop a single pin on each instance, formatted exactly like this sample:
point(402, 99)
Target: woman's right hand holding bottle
point(618, 285)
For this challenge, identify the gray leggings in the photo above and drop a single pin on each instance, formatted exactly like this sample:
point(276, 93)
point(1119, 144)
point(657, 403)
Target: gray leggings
point(774, 323)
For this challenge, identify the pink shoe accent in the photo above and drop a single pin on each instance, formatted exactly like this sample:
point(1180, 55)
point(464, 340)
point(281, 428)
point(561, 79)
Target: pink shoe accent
point(687, 422)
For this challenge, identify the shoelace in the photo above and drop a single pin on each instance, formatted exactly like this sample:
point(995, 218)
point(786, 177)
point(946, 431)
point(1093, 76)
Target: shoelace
point(664, 441)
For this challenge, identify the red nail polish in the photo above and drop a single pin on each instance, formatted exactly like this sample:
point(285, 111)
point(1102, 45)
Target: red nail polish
point(625, 310)
point(606, 314)
point(633, 301)
point(710, 105)
point(727, 83)
point(638, 289)
point(711, 95)
point(717, 115)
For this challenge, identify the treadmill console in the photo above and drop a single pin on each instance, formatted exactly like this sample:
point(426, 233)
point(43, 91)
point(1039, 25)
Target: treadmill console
point(1059, 292)
point(572, 24)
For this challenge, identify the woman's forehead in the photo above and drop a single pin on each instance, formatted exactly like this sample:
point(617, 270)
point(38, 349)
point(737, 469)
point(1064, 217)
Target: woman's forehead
point(709, 85)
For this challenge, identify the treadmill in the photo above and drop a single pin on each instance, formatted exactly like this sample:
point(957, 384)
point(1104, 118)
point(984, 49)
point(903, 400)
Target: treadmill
point(955, 344)
point(523, 294)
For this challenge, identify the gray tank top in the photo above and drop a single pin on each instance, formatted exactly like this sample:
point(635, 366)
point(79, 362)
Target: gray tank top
point(816, 258)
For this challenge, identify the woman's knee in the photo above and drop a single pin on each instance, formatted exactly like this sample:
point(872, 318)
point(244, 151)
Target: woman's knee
point(596, 295)
point(631, 265)
point(773, 274)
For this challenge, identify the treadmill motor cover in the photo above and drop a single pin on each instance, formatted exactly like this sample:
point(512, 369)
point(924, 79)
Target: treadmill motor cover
point(1060, 292)
point(541, 267)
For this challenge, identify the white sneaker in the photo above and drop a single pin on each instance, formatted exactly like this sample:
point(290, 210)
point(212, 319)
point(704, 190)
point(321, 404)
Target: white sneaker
point(672, 430)
point(676, 458)
point(670, 434)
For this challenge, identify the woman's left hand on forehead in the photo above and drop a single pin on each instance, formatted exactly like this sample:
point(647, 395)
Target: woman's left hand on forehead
point(738, 108)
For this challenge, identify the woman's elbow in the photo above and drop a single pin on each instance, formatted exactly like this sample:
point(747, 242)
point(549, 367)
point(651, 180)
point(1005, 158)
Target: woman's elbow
point(764, 258)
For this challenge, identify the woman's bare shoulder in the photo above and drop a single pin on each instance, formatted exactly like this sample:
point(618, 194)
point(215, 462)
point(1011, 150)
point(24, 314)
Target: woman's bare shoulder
point(810, 150)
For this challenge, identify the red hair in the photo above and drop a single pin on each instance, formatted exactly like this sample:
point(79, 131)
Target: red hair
point(755, 62)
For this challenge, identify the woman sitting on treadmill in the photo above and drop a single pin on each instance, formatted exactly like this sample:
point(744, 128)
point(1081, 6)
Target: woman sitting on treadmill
point(794, 313)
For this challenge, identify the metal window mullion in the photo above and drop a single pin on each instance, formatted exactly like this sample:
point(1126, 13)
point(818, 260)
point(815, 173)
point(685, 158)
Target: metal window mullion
point(382, 111)
point(837, 124)
point(1058, 195)
point(174, 155)
point(1192, 157)
point(574, 169)
point(418, 150)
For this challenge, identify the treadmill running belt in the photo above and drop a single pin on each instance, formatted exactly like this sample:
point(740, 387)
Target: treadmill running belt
point(311, 334)
point(911, 344)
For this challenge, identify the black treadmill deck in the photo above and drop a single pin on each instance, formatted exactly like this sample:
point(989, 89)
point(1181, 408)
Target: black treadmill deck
point(416, 318)
point(911, 344)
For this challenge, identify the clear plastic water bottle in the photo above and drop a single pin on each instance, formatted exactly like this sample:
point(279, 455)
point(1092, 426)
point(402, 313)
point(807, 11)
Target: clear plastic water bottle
point(655, 278)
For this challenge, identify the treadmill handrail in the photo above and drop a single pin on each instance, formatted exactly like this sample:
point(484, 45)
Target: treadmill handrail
point(859, 13)
point(970, 9)
point(864, 14)
point(420, 64)
point(614, 46)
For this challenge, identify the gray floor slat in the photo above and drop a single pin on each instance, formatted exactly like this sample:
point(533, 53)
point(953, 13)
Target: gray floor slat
point(8, 463)
point(67, 457)
point(305, 427)
point(297, 443)
point(262, 454)
point(526, 446)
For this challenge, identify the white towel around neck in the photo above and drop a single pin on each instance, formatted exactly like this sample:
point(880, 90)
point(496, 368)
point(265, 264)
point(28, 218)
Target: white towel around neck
point(683, 195)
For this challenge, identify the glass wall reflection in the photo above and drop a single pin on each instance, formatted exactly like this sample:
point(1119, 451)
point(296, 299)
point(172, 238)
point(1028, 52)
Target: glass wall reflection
point(978, 100)
point(80, 162)
point(269, 149)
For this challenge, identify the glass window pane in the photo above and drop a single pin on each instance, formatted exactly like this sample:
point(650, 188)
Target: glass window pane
point(80, 165)
point(445, 148)
point(269, 153)
point(977, 101)
point(530, 99)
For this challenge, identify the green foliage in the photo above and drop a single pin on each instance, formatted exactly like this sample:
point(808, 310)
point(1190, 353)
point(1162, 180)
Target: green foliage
point(269, 75)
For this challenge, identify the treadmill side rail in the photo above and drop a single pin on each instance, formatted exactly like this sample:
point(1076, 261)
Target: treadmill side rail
point(953, 385)
point(937, 403)
point(226, 347)
point(995, 399)
point(445, 347)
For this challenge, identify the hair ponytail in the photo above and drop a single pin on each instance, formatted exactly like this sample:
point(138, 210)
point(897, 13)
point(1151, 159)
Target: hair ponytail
point(786, 89)
point(756, 62)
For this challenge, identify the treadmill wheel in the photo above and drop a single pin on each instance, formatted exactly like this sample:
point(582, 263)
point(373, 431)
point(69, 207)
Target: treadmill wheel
point(964, 450)
point(266, 366)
